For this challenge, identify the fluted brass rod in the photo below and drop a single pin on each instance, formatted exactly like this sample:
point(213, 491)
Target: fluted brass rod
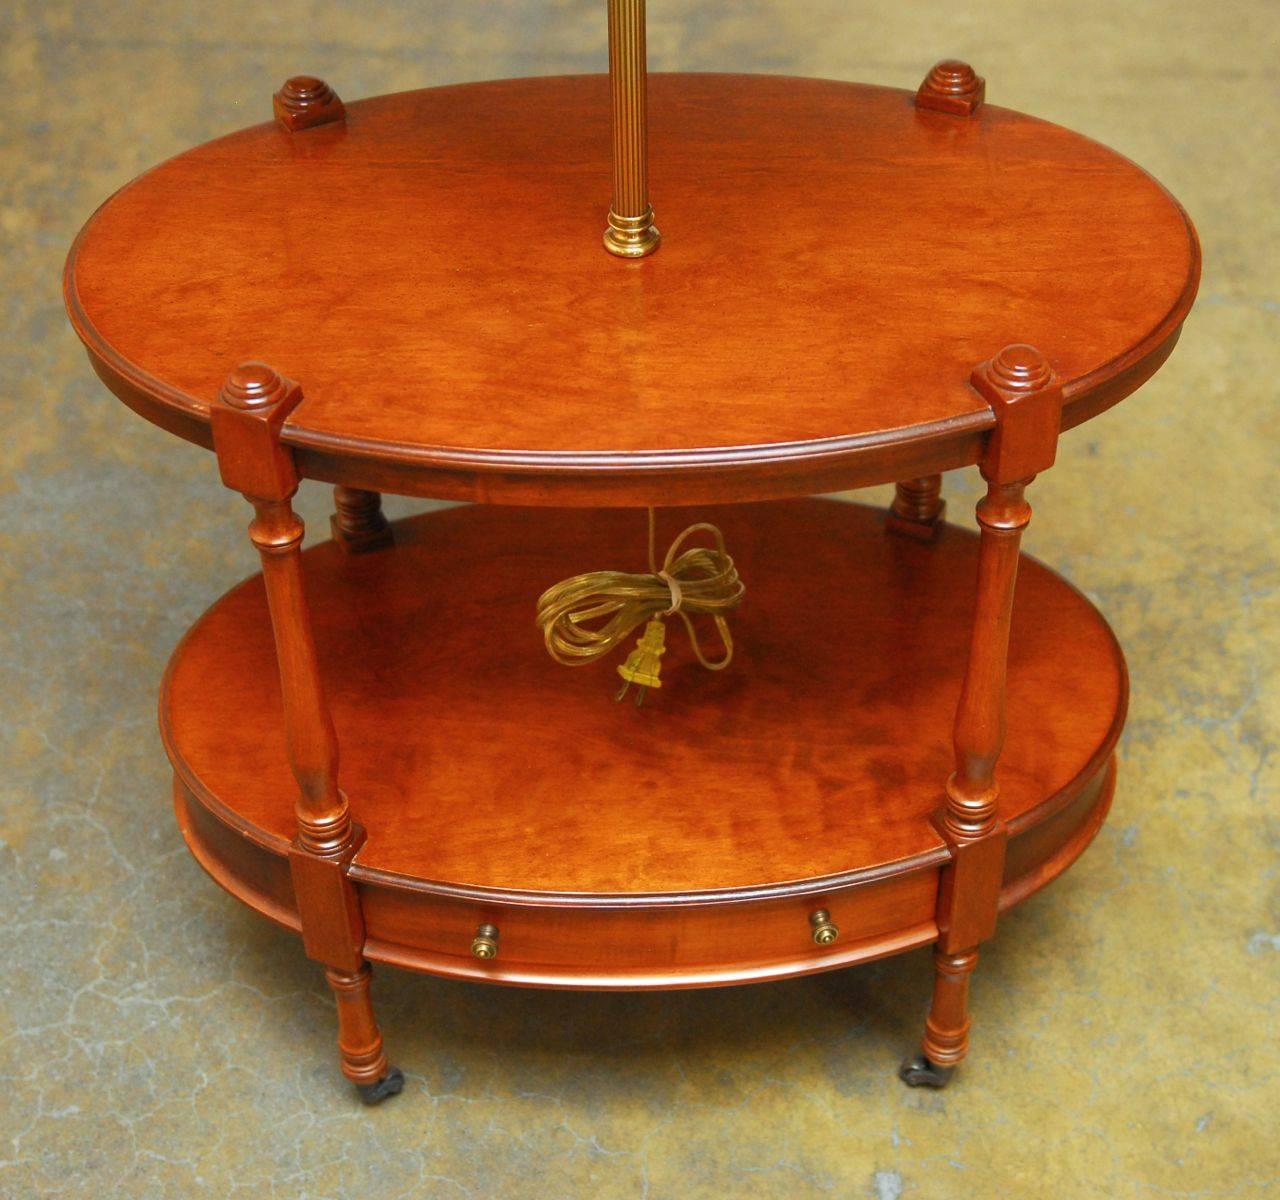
point(631, 232)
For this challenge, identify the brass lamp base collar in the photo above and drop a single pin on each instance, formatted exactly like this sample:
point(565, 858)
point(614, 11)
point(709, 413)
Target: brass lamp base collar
point(632, 237)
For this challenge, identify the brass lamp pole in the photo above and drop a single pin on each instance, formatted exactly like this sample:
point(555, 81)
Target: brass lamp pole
point(631, 232)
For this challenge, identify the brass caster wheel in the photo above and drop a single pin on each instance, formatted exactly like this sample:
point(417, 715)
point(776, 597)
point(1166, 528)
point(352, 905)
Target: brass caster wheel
point(391, 1084)
point(918, 1071)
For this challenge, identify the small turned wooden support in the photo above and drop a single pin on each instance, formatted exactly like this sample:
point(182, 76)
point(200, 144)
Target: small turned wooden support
point(304, 102)
point(1026, 400)
point(324, 822)
point(247, 418)
point(251, 410)
point(358, 524)
point(952, 87)
point(917, 509)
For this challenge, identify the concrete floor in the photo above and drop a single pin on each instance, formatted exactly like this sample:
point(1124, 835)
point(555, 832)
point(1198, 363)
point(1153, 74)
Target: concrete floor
point(159, 1040)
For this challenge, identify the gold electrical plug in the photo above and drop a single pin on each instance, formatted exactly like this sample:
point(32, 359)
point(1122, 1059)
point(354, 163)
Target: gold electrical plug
point(645, 662)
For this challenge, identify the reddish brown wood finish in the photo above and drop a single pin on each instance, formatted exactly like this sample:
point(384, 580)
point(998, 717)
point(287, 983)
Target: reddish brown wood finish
point(946, 1031)
point(305, 102)
point(692, 844)
point(332, 923)
point(952, 87)
point(639, 945)
point(359, 1039)
point(1025, 395)
point(918, 508)
point(1036, 856)
point(358, 525)
point(585, 849)
point(1026, 399)
point(246, 421)
point(808, 355)
point(252, 405)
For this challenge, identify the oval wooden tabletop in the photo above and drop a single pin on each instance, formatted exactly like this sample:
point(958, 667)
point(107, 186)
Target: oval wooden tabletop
point(834, 263)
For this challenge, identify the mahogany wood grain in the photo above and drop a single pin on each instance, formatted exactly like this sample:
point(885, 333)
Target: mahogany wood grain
point(889, 248)
point(328, 906)
point(255, 876)
point(751, 936)
point(809, 331)
point(654, 941)
point(828, 735)
point(1037, 855)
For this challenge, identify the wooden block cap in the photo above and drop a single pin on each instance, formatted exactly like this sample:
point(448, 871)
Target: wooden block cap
point(252, 406)
point(304, 102)
point(952, 87)
point(1026, 397)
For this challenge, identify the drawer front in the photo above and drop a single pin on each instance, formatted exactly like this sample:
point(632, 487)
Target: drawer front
point(641, 946)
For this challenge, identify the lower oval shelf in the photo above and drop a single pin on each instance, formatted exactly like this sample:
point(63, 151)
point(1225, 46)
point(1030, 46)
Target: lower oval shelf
point(682, 844)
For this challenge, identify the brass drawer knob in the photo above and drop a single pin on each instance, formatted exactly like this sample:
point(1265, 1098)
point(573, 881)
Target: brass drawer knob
point(485, 943)
point(824, 931)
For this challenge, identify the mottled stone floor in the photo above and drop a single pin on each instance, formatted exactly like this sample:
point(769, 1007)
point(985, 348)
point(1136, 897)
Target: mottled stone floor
point(159, 1040)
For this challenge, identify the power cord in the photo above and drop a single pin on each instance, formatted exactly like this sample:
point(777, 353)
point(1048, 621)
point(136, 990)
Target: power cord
point(587, 616)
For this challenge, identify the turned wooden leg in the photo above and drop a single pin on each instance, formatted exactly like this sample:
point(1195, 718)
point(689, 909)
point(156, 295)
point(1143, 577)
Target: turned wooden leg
point(969, 890)
point(358, 524)
point(1026, 401)
point(247, 418)
point(946, 1031)
point(359, 1040)
point(917, 509)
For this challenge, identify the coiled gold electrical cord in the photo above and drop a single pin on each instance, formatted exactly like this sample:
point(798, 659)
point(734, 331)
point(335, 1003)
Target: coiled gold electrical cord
point(587, 616)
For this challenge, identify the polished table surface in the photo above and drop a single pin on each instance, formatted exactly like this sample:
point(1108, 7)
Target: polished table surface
point(854, 287)
point(791, 767)
point(835, 262)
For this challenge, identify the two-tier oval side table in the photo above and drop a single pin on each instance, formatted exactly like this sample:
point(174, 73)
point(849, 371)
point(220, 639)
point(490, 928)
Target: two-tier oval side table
point(856, 285)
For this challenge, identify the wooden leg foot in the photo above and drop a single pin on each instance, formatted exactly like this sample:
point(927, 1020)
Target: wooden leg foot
point(359, 1039)
point(918, 1071)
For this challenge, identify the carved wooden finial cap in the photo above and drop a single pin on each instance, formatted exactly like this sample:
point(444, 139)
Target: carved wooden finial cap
point(953, 87)
point(254, 385)
point(252, 406)
point(305, 101)
point(1026, 399)
point(1020, 368)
